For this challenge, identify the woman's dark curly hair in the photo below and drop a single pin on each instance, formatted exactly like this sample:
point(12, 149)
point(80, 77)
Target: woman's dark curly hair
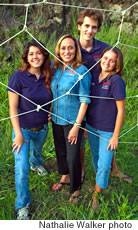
point(45, 68)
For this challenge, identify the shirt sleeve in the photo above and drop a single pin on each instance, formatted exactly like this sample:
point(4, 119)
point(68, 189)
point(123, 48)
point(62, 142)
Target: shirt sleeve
point(85, 86)
point(14, 84)
point(118, 88)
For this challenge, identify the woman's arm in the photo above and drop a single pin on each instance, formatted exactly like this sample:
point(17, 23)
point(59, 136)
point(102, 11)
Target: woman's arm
point(113, 142)
point(73, 134)
point(13, 110)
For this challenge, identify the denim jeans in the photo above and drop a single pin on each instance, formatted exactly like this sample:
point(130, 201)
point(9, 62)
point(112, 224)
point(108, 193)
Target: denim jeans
point(22, 166)
point(101, 157)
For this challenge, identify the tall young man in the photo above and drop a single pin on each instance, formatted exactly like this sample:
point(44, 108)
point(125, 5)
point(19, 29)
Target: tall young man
point(89, 23)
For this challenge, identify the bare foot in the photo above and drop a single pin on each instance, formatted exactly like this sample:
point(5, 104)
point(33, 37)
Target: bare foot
point(74, 197)
point(122, 176)
point(95, 202)
point(65, 179)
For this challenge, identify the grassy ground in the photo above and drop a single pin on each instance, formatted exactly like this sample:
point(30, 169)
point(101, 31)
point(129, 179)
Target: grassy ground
point(118, 201)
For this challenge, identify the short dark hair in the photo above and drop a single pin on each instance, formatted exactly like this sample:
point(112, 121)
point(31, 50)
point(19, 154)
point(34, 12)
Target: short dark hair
point(95, 14)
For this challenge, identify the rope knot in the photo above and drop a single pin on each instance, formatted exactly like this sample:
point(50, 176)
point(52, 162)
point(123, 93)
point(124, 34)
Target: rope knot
point(27, 5)
point(67, 93)
point(25, 27)
point(123, 12)
point(80, 77)
point(38, 108)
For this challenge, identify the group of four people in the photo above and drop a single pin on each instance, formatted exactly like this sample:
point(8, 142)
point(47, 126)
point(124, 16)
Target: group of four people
point(79, 102)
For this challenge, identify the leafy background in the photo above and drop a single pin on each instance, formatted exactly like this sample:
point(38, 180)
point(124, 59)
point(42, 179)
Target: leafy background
point(119, 201)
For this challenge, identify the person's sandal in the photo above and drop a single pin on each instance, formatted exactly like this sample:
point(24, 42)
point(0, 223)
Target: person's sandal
point(122, 176)
point(126, 178)
point(58, 186)
point(95, 201)
point(73, 199)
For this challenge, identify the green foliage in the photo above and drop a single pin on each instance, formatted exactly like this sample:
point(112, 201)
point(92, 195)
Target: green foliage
point(119, 200)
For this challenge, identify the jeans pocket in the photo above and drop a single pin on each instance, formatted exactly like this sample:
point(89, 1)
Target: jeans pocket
point(45, 128)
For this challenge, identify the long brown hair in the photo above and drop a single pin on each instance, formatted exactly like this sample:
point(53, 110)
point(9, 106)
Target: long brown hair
point(119, 61)
point(45, 68)
point(77, 59)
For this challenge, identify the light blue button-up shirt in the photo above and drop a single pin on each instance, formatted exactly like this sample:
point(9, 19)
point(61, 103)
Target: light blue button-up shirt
point(66, 106)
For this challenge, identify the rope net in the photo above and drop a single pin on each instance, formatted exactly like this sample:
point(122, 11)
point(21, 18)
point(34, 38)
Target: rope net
point(25, 29)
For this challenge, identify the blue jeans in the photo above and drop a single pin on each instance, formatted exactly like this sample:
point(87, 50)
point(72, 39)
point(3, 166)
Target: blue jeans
point(22, 166)
point(101, 157)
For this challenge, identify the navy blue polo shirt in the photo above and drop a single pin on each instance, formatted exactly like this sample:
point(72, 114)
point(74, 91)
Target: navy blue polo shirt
point(27, 84)
point(101, 113)
point(91, 57)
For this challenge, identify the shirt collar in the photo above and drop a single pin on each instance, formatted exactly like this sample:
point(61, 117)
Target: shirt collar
point(96, 46)
point(66, 68)
point(28, 74)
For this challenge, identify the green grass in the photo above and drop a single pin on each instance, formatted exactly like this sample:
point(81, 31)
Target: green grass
point(118, 202)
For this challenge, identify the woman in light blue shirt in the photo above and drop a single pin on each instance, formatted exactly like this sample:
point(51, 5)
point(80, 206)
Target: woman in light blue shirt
point(70, 87)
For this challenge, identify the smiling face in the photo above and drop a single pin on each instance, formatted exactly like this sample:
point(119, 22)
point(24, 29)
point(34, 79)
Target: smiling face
point(35, 58)
point(108, 61)
point(67, 51)
point(88, 28)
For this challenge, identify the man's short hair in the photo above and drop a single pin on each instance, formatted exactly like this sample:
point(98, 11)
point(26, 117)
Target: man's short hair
point(94, 14)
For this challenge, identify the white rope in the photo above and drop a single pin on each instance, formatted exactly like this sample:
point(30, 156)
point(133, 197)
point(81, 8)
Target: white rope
point(65, 5)
point(88, 130)
point(99, 60)
point(68, 122)
point(80, 7)
point(128, 131)
point(26, 15)
point(120, 29)
point(18, 93)
point(132, 96)
point(110, 98)
point(11, 4)
point(73, 124)
point(38, 107)
point(79, 95)
point(122, 44)
point(51, 53)
point(126, 142)
point(131, 6)
point(19, 114)
point(36, 3)
point(12, 37)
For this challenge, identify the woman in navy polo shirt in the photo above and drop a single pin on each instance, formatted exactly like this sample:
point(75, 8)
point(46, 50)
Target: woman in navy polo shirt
point(69, 108)
point(28, 89)
point(105, 116)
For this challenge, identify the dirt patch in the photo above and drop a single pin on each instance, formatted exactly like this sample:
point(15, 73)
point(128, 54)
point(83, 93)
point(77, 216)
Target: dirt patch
point(51, 165)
